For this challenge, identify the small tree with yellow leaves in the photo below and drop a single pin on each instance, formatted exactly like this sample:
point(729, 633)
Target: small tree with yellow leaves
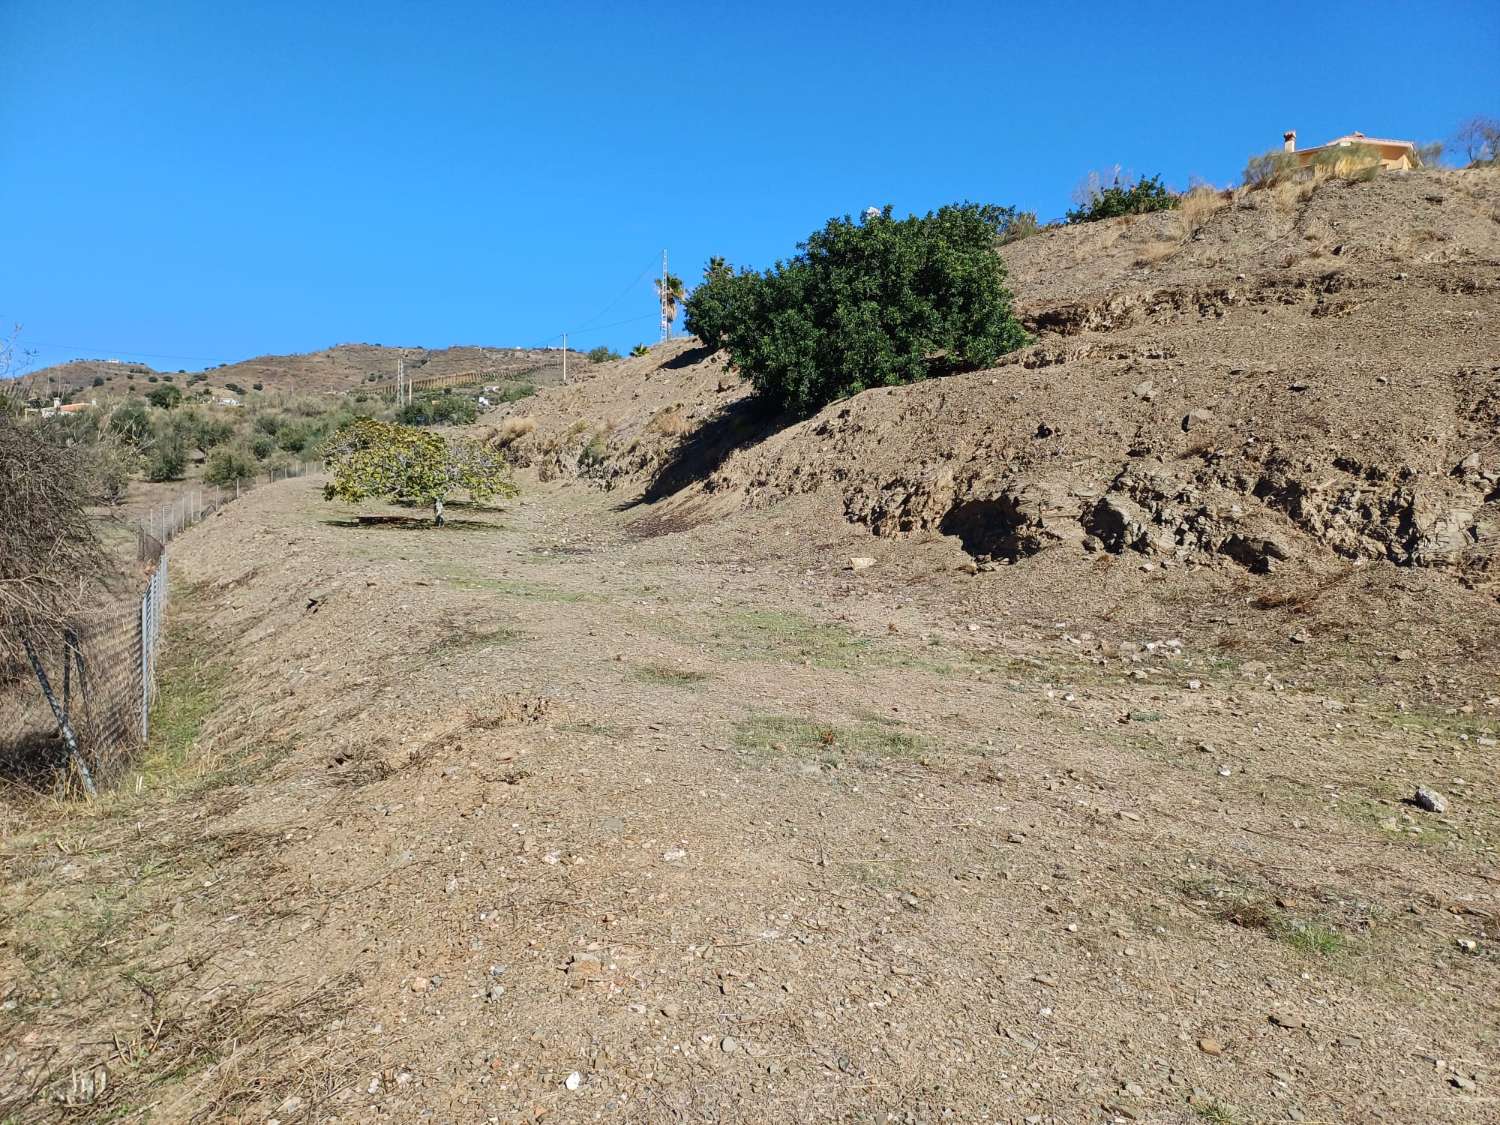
point(378, 460)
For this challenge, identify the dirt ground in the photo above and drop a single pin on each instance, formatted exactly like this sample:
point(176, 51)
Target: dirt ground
point(1037, 745)
point(730, 832)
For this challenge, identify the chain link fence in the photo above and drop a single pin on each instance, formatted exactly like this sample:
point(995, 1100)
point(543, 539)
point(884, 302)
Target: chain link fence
point(79, 713)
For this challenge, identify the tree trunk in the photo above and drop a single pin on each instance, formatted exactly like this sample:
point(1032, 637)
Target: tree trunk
point(437, 506)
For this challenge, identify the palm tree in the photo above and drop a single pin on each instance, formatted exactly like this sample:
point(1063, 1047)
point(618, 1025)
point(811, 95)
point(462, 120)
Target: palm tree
point(669, 292)
point(717, 267)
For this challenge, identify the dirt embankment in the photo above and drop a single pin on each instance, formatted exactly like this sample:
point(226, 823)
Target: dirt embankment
point(1309, 375)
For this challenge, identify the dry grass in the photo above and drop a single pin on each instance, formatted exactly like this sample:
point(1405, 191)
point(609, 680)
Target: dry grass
point(513, 430)
point(1199, 205)
point(669, 421)
point(1156, 251)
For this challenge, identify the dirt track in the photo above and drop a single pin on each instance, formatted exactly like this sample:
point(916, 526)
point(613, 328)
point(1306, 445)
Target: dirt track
point(737, 836)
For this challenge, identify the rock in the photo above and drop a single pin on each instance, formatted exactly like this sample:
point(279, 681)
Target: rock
point(1286, 1020)
point(1300, 637)
point(670, 1010)
point(1145, 391)
point(1195, 418)
point(861, 562)
point(672, 855)
point(1045, 979)
point(1468, 945)
point(573, 1081)
point(496, 992)
point(1459, 1082)
point(729, 1045)
point(420, 984)
point(1211, 1047)
point(1429, 800)
point(583, 967)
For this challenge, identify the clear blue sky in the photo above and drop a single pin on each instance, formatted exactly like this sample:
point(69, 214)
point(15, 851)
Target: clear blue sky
point(189, 182)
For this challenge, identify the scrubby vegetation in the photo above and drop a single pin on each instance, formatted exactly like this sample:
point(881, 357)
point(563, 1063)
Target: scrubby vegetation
point(1122, 196)
point(439, 410)
point(875, 302)
point(602, 354)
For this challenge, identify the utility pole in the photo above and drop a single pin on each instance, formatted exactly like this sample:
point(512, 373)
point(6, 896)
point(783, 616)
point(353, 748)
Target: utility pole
point(400, 377)
point(666, 321)
point(565, 359)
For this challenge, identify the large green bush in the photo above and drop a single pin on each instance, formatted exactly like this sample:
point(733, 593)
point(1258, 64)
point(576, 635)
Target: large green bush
point(1122, 197)
point(164, 396)
point(434, 410)
point(874, 302)
point(228, 464)
point(168, 459)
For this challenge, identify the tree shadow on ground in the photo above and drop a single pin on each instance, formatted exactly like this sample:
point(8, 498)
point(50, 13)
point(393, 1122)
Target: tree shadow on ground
point(410, 523)
point(689, 358)
point(698, 456)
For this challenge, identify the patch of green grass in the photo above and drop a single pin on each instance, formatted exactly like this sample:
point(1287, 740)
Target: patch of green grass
point(665, 675)
point(761, 634)
point(1312, 938)
point(880, 876)
point(461, 636)
point(514, 587)
point(601, 730)
point(765, 735)
point(1220, 1113)
point(189, 688)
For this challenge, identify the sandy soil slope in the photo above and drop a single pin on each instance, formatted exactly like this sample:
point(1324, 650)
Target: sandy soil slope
point(731, 832)
point(1038, 745)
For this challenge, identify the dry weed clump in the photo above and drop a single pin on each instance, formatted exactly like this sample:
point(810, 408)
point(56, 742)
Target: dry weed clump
point(1198, 206)
point(1158, 250)
point(50, 554)
point(669, 421)
point(513, 430)
point(1291, 182)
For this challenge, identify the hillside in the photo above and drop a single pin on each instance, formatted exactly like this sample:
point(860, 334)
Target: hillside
point(1106, 736)
point(1282, 379)
point(343, 367)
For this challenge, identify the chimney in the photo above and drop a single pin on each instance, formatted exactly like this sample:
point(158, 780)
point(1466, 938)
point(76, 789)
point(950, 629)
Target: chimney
point(1289, 141)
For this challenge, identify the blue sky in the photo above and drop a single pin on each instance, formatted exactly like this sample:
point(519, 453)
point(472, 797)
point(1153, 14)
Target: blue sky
point(190, 183)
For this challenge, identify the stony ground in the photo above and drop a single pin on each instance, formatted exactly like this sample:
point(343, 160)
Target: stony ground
point(560, 814)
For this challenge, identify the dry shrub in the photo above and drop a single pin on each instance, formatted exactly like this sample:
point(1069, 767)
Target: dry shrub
point(512, 430)
point(1198, 205)
point(669, 421)
point(50, 555)
point(1155, 251)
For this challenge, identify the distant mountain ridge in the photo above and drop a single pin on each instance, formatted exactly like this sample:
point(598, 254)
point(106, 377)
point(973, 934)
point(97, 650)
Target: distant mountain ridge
point(343, 367)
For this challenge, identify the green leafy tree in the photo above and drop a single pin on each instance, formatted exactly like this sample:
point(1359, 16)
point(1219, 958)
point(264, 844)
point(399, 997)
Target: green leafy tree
point(210, 432)
point(602, 354)
point(372, 459)
point(877, 302)
point(168, 458)
point(436, 410)
point(294, 437)
point(228, 464)
point(711, 308)
point(1124, 196)
point(164, 396)
point(131, 421)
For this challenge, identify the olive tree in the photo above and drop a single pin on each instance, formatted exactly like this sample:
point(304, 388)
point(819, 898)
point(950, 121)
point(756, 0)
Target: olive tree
point(369, 459)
